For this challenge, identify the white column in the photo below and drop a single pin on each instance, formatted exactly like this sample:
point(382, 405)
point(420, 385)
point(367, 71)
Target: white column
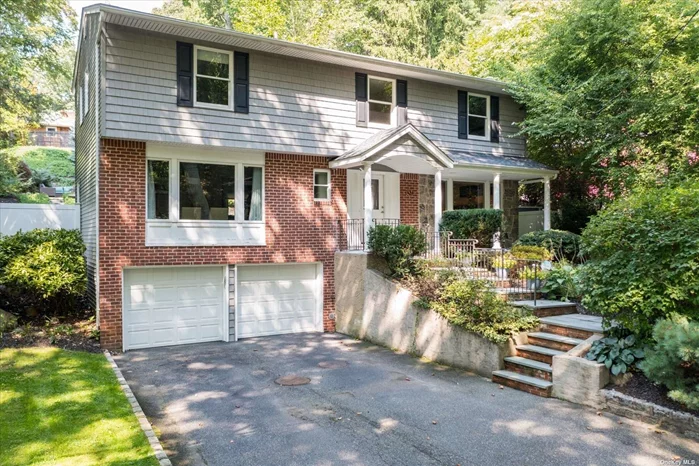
point(450, 194)
point(437, 200)
point(547, 203)
point(486, 195)
point(496, 205)
point(368, 203)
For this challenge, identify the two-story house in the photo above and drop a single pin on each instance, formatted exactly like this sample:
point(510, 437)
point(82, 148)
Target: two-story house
point(218, 172)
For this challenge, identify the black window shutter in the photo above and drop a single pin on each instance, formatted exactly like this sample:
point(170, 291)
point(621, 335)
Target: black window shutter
point(361, 95)
point(185, 73)
point(241, 77)
point(494, 118)
point(463, 115)
point(402, 101)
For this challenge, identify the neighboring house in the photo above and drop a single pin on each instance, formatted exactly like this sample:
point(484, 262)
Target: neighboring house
point(55, 130)
point(217, 171)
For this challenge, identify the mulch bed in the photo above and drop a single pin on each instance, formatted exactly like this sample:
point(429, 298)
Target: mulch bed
point(639, 386)
point(71, 333)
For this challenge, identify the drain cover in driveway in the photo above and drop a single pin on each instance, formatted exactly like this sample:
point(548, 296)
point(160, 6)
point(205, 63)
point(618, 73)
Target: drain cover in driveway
point(332, 364)
point(292, 380)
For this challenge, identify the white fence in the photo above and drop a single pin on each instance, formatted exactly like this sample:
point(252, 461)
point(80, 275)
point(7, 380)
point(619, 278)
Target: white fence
point(532, 220)
point(25, 217)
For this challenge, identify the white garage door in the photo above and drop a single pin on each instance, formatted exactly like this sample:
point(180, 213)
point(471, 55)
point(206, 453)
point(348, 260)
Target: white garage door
point(172, 306)
point(276, 299)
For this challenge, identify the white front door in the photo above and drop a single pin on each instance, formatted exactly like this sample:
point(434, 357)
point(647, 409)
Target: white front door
point(279, 298)
point(173, 306)
point(377, 194)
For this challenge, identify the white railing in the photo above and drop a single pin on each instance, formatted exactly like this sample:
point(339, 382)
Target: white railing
point(25, 217)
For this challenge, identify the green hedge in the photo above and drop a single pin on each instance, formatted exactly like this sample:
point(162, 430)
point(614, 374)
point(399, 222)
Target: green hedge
point(643, 257)
point(398, 246)
point(563, 244)
point(480, 224)
point(42, 271)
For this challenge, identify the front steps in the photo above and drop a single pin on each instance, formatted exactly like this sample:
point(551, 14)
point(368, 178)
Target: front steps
point(530, 370)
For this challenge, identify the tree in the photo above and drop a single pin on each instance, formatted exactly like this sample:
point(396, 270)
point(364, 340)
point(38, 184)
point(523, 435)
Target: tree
point(36, 50)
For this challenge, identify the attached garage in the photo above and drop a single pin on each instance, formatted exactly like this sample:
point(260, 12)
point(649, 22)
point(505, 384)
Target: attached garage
point(164, 306)
point(279, 298)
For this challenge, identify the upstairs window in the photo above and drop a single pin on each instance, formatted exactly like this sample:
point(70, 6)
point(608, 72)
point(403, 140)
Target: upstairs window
point(381, 100)
point(478, 117)
point(321, 185)
point(212, 77)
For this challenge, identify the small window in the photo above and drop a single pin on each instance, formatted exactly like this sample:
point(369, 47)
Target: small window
point(207, 191)
point(321, 185)
point(478, 116)
point(212, 84)
point(381, 100)
point(158, 189)
point(51, 129)
point(253, 193)
point(86, 90)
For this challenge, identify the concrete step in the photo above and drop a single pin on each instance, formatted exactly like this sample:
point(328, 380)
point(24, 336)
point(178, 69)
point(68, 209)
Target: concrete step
point(553, 341)
point(538, 353)
point(572, 325)
point(546, 307)
point(529, 367)
point(522, 382)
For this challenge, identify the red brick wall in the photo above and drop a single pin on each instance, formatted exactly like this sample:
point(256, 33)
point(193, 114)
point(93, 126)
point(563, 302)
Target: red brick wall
point(298, 229)
point(409, 198)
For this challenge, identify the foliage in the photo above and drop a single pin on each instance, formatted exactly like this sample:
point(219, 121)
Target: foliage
point(674, 360)
point(562, 282)
point(58, 164)
point(62, 404)
point(474, 306)
point(399, 246)
point(34, 198)
point(538, 253)
point(533, 273)
point(644, 257)
point(43, 269)
point(36, 55)
point(562, 244)
point(506, 261)
point(480, 224)
point(618, 354)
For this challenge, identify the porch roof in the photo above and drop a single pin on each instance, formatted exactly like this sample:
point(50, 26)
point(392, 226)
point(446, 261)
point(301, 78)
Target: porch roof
point(468, 159)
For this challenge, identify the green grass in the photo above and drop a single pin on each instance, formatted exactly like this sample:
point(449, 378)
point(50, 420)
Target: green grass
point(61, 407)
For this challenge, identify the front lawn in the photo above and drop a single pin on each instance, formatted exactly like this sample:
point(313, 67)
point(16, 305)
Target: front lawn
point(65, 407)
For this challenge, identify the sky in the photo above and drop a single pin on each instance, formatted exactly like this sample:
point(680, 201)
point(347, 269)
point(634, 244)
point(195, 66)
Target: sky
point(139, 5)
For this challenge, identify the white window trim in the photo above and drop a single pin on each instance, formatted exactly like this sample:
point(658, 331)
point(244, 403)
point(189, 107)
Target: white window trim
point(86, 90)
point(174, 193)
point(321, 199)
point(81, 104)
point(370, 100)
point(487, 117)
point(230, 79)
point(51, 129)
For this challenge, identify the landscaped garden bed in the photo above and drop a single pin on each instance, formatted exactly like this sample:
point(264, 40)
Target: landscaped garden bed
point(639, 386)
point(78, 332)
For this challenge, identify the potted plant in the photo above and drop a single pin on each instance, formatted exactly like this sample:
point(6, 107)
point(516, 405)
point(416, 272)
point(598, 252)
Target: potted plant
point(534, 276)
point(503, 264)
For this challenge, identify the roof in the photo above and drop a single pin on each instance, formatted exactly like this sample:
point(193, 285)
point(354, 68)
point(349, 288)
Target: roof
point(62, 119)
point(202, 32)
point(463, 158)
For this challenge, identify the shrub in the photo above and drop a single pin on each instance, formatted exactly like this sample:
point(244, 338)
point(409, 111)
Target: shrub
point(562, 282)
point(562, 244)
point(34, 198)
point(674, 359)
point(618, 354)
point(480, 224)
point(43, 269)
point(472, 305)
point(643, 257)
point(539, 253)
point(399, 246)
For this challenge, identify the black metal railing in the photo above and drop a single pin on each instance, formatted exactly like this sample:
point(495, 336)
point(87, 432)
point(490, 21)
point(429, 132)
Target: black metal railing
point(350, 232)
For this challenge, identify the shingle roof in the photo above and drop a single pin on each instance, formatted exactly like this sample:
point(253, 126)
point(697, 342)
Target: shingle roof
point(495, 161)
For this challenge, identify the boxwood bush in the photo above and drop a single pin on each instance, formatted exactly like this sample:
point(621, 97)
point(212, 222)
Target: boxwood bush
point(643, 257)
point(43, 271)
point(399, 246)
point(480, 224)
point(562, 244)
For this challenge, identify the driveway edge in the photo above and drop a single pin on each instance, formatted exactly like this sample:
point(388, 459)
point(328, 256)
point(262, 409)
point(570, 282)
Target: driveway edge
point(142, 420)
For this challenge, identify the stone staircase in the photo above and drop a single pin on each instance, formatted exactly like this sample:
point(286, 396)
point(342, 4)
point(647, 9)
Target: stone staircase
point(560, 331)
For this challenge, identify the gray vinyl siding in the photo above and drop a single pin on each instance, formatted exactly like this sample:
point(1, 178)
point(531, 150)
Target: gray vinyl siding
point(86, 149)
point(295, 105)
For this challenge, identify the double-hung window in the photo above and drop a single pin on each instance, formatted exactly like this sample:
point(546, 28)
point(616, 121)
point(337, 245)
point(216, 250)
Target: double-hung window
point(213, 70)
point(381, 94)
point(478, 116)
point(321, 185)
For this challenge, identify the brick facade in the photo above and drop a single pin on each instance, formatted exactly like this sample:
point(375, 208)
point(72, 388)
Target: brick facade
point(298, 229)
point(409, 199)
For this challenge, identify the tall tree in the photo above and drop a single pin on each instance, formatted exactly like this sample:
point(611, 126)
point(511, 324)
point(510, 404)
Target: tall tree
point(36, 56)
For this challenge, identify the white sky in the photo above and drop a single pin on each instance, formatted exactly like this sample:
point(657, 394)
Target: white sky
point(140, 5)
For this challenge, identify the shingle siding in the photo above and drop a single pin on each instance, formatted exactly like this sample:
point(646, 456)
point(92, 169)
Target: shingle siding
point(86, 152)
point(295, 105)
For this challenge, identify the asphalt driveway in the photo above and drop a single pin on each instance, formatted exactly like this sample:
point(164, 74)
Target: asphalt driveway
point(217, 404)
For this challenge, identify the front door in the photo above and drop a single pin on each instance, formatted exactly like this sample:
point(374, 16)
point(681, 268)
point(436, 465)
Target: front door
point(377, 184)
